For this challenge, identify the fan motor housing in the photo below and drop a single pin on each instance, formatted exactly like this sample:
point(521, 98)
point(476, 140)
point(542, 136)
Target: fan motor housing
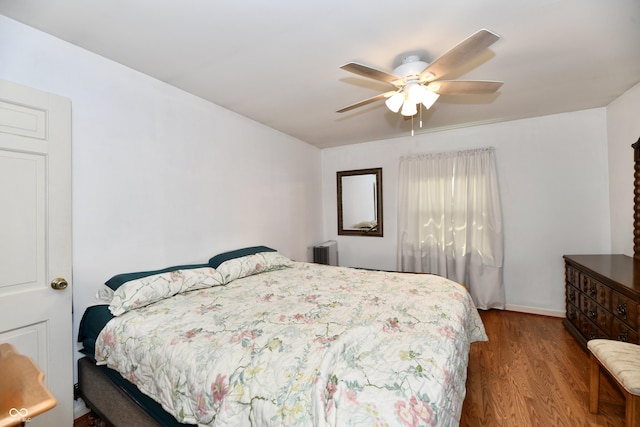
point(411, 66)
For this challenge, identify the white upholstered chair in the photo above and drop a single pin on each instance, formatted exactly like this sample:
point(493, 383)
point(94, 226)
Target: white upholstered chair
point(621, 361)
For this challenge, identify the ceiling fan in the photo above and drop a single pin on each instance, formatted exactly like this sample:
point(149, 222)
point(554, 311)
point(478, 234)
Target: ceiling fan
point(418, 82)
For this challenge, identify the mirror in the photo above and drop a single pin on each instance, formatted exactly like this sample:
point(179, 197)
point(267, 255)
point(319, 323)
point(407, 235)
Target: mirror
point(360, 202)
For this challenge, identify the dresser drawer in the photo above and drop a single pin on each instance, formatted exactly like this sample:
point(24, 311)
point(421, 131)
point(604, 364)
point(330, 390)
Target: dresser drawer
point(573, 314)
point(603, 296)
point(573, 276)
point(624, 309)
point(622, 332)
point(583, 303)
point(599, 292)
point(589, 286)
point(603, 319)
point(572, 295)
point(598, 315)
point(589, 329)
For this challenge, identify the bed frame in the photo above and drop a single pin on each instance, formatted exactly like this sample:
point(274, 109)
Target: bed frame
point(113, 403)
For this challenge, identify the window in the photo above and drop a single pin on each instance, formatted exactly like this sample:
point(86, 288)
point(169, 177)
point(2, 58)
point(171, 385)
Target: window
point(450, 221)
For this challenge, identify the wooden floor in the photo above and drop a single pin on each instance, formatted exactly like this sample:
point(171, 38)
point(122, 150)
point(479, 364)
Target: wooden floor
point(532, 372)
point(90, 420)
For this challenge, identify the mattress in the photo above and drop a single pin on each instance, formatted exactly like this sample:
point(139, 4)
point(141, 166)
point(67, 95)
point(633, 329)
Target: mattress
point(105, 391)
point(302, 345)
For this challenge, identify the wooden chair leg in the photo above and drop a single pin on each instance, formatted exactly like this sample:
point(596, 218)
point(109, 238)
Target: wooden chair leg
point(632, 410)
point(594, 384)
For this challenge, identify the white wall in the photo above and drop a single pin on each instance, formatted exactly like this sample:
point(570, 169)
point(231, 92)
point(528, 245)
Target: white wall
point(553, 179)
point(161, 177)
point(623, 129)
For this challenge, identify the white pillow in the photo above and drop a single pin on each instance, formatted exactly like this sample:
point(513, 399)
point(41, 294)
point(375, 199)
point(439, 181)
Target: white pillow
point(104, 295)
point(147, 290)
point(261, 262)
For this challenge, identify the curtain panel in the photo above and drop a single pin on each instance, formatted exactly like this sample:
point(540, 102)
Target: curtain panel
point(450, 221)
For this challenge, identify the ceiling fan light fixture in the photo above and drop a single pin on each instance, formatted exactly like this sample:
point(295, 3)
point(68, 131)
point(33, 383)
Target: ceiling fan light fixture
point(429, 98)
point(395, 101)
point(409, 109)
point(415, 93)
point(419, 94)
point(417, 83)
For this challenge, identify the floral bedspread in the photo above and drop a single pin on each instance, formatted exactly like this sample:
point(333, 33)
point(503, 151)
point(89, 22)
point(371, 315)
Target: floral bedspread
point(310, 345)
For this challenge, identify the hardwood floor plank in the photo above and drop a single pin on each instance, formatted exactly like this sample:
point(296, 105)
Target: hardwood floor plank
point(532, 372)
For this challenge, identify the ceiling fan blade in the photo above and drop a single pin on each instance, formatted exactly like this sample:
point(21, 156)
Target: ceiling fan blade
point(459, 54)
point(372, 73)
point(366, 101)
point(460, 87)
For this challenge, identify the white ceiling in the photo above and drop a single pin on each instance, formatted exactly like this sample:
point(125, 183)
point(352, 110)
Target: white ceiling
point(278, 61)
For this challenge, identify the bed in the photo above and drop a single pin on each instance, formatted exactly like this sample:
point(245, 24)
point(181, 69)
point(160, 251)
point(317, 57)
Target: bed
point(253, 338)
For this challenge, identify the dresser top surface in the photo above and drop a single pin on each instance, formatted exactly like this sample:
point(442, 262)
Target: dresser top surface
point(622, 269)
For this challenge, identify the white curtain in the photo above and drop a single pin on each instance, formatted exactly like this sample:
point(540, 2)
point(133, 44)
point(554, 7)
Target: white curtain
point(450, 221)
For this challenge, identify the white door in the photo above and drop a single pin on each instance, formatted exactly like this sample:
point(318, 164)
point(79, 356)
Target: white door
point(35, 237)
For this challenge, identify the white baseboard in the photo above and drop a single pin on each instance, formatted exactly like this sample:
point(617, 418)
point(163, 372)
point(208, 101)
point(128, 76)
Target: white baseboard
point(535, 310)
point(79, 408)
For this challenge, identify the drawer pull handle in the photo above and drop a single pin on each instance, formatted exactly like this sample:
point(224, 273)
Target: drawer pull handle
point(622, 336)
point(622, 309)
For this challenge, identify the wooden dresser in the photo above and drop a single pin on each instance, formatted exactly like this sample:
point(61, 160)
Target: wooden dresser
point(602, 297)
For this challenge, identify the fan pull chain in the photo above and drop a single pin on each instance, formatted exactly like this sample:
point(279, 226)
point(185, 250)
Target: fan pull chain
point(412, 124)
point(420, 106)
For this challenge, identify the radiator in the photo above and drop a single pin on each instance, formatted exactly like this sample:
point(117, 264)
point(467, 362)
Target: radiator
point(326, 253)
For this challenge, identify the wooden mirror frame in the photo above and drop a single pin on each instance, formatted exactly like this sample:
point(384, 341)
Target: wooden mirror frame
point(372, 232)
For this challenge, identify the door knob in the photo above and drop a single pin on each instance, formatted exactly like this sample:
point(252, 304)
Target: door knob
point(59, 283)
